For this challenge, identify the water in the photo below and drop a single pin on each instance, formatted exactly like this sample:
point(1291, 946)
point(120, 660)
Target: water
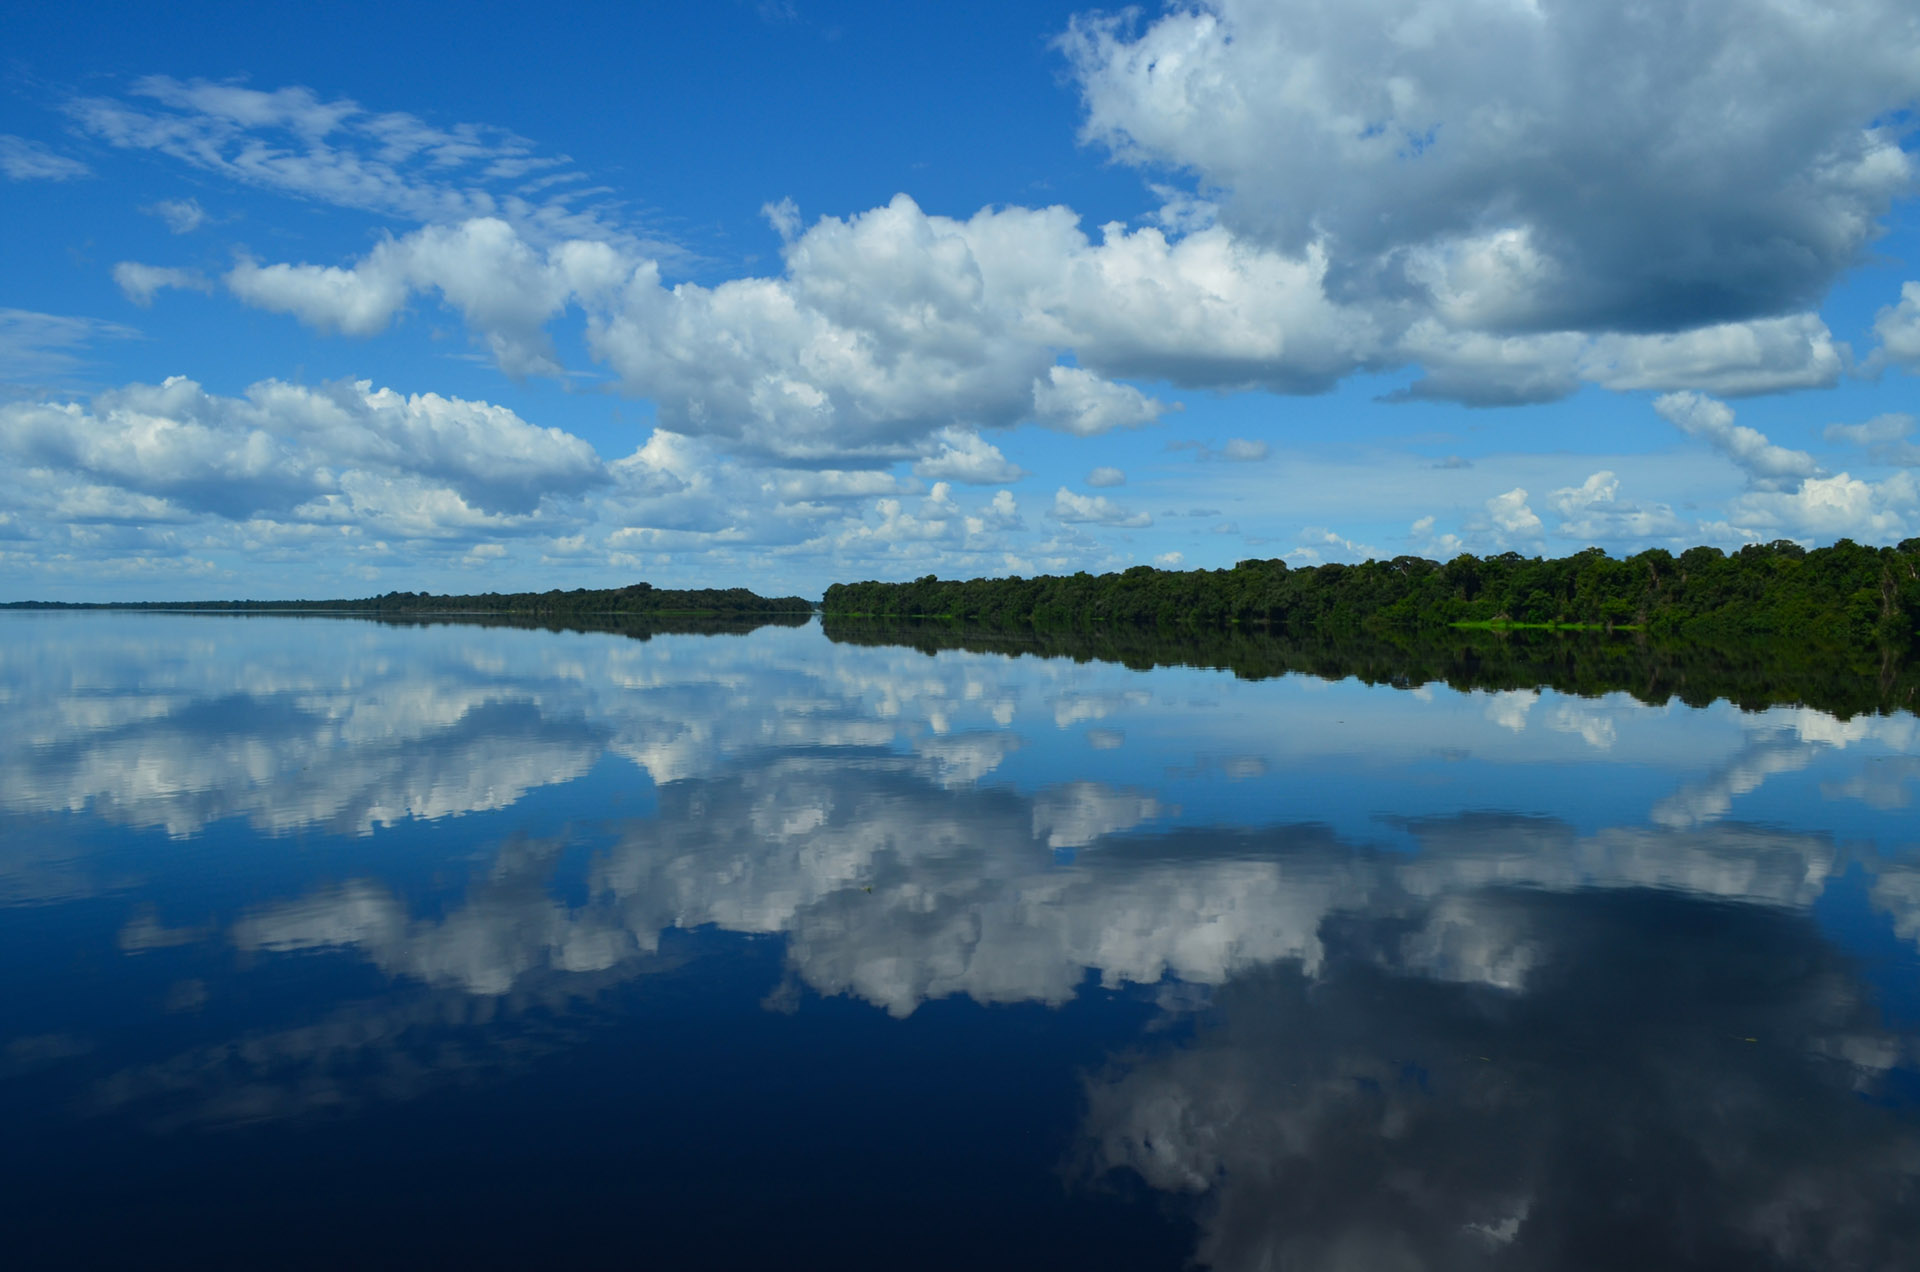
point(330, 943)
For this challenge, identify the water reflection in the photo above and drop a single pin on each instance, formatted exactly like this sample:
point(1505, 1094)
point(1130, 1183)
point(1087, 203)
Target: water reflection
point(1679, 1085)
point(1431, 979)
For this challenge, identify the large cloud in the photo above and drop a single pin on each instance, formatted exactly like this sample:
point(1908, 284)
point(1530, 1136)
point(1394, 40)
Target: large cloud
point(1528, 166)
point(892, 325)
point(289, 451)
point(887, 327)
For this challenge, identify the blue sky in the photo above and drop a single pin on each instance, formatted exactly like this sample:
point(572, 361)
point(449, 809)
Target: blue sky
point(338, 299)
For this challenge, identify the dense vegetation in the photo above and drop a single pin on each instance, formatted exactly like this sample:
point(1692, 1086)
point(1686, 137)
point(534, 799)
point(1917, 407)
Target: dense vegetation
point(638, 599)
point(1843, 597)
point(1752, 674)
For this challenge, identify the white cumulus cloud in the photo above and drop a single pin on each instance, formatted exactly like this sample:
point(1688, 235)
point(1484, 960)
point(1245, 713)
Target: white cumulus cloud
point(285, 450)
point(1530, 167)
point(1077, 401)
point(967, 457)
point(1097, 510)
point(1512, 517)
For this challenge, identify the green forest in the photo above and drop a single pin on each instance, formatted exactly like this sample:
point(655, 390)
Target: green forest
point(1842, 597)
point(637, 599)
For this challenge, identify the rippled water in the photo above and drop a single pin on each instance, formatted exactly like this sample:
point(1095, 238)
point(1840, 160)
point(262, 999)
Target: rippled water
point(329, 943)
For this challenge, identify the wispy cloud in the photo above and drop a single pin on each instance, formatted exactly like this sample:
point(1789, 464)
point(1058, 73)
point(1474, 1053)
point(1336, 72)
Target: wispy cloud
point(294, 142)
point(43, 351)
point(24, 160)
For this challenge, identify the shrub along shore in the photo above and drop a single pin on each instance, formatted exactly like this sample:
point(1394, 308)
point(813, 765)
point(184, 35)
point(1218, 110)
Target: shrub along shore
point(1844, 596)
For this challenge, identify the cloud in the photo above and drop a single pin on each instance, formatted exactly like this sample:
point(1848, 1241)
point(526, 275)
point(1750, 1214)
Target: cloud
point(1890, 427)
point(293, 142)
point(1898, 326)
point(1788, 495)
point(1105, 476)
point(141, 282)
point(357, 302)
point(1333, 541)
point(347, 479)
point(1767, 466)
point(1079, 402)
point(891, 325)
point(1096, 510)
point(1593, 512)
point(40, 348)
point(1528, 168)
point(1237, 450)
point(1884, 436)
point(1828, 508)
point(1735, 359)
point(24, 160)
point(1480, 368)
point(182, 216)
point(1512, 518)
point(307, 454)
point(506, 289)
point(967, 457)
point(1407, 215)
point(885, 328)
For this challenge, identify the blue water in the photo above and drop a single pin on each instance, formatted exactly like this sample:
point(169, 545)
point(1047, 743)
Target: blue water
point(328, 943)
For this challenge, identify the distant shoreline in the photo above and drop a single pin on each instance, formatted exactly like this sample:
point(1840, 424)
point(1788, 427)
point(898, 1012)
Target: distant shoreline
point(1845, 596)
point(325, 611)
point(640, 600)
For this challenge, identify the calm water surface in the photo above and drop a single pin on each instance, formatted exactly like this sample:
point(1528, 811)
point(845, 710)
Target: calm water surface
point(331, 944)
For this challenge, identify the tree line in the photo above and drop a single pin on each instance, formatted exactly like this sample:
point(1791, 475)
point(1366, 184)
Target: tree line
point(582, 602)
point(1847, 596)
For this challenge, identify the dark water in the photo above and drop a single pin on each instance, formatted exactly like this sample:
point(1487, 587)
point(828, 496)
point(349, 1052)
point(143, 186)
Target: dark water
point(330, 944)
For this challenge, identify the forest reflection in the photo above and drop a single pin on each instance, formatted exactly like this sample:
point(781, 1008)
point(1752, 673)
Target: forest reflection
point(1752, 676)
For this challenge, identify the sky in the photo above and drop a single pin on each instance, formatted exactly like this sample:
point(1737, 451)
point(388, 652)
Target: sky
point(323, 300)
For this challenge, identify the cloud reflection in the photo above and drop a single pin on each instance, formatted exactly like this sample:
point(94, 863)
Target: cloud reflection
point(910, 829)
point(1680, 1085)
